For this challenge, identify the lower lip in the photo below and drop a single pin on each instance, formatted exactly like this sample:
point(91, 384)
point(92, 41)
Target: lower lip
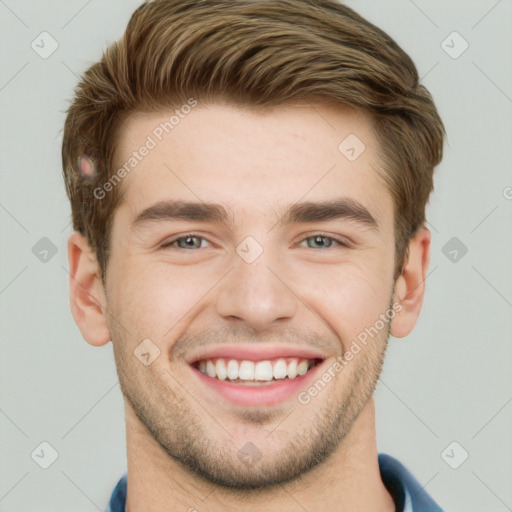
point(271, 394)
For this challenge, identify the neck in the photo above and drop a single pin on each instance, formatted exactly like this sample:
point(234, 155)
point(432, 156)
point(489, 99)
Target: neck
point(348, 480)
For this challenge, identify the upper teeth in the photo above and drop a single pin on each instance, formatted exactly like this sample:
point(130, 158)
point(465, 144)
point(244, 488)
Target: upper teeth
point(250, 370)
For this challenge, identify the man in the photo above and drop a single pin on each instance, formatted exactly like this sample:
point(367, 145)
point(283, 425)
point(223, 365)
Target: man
point(248, 182)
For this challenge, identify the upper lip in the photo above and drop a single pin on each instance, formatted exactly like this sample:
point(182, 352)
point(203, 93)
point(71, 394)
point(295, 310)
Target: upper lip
point(255, 352)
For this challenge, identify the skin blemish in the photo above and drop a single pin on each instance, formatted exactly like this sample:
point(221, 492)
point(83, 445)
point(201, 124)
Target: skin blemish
point(86, 167)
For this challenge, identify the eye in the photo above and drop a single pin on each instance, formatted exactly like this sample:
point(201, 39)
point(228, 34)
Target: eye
point(192, 241)
point(189, 242)
point(319, 241)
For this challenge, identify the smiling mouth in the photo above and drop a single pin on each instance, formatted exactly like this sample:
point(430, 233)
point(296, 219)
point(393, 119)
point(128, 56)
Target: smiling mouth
point(256, 373)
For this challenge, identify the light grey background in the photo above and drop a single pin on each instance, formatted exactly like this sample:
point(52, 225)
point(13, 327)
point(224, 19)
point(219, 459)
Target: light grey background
point(448, 381)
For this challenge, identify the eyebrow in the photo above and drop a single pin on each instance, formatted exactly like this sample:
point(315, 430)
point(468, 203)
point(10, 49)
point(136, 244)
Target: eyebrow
point(306, 212)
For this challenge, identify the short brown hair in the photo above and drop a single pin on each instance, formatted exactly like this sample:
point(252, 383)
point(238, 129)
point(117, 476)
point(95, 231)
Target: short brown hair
point(252, 53)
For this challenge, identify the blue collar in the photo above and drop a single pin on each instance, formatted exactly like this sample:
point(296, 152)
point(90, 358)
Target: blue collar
point(407, 492)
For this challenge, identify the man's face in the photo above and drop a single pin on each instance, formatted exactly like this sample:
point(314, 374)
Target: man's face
point(302, 287)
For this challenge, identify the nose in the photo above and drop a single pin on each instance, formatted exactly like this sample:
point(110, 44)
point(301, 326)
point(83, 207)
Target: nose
point(256, 294)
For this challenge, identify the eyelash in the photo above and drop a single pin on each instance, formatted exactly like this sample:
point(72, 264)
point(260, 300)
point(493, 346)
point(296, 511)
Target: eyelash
point(168, 244)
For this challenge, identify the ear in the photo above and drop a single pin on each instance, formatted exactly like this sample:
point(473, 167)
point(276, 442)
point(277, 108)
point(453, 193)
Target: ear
point(87, 294)
point(410, 286)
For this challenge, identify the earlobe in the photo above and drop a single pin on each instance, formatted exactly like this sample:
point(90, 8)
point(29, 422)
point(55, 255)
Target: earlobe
point(87, 294)
point(410, 286)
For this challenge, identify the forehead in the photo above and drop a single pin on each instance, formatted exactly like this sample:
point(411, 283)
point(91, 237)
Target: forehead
point(252, 160)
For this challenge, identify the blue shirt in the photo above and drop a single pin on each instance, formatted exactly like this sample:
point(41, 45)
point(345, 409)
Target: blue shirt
point(407, 492)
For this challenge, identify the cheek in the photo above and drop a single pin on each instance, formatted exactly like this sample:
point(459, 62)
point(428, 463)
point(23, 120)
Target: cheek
point(155, 299)
point(348, 298)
